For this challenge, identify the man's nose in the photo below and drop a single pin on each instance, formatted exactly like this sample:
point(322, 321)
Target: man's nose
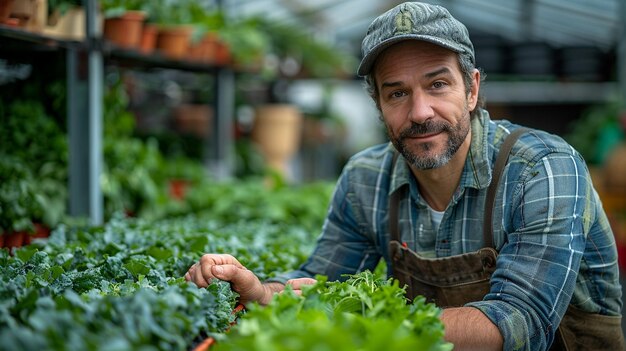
point(421, 108)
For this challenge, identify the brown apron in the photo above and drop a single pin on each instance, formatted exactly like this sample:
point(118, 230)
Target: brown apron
point(456, 280)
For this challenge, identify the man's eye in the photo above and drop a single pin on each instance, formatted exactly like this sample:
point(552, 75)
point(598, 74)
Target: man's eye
point(439, 85)
point(397, 94)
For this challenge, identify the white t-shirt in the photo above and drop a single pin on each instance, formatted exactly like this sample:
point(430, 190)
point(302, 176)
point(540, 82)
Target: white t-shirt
point(435, 217)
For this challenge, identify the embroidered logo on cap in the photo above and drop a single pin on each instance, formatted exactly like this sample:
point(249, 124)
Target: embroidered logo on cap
point(404, 22)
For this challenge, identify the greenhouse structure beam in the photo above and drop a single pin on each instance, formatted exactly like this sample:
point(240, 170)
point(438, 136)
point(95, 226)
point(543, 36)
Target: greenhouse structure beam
point(84, 106)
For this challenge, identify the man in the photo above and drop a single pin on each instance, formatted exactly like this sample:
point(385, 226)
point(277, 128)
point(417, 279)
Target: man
point(539, 271)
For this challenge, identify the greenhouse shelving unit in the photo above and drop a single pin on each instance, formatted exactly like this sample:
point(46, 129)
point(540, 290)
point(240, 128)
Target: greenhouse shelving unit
point(85, 64)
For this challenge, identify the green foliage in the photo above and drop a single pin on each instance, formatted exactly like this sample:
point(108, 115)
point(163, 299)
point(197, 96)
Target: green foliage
point(17, 195)
point(176, 12)
point(120, 285)
point(62, 6)
point(362, 313)
point(596, 132)
point(116, 8)
point(33, 165)
point(317, 58)
point(131, 167)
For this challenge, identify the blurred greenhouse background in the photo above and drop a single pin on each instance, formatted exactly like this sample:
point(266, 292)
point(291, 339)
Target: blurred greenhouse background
point(101, 122)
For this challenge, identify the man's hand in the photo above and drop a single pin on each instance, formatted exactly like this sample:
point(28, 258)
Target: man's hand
point(226, 267)
point(297, 284)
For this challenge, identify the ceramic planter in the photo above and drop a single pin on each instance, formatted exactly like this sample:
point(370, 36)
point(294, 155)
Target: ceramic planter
point(69, 26)
point(277, 132)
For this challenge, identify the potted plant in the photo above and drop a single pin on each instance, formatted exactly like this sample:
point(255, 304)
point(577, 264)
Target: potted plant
point(34, 174)
point(5, 9)
point(249, 44)
point(300, 54)
point(175, 19)
point(17, 200)
point(123, 22)
point(66, 19)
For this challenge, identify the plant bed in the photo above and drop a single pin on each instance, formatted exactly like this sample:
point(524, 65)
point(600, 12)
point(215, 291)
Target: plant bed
point(121, 286)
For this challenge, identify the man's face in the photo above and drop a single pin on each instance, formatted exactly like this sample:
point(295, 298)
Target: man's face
point(423, 102)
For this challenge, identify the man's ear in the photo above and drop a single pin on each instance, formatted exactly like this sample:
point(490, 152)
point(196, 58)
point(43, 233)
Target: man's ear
point(472, 97)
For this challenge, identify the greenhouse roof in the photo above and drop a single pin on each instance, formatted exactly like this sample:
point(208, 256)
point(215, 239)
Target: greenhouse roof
point(556, 22)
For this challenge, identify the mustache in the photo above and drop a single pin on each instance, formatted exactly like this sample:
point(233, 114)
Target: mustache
point(429, 127)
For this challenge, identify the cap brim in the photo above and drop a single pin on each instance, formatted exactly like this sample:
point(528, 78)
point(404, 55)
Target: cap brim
point(365, 67)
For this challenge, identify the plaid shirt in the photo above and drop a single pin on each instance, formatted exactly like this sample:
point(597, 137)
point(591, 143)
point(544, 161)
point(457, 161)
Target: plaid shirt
point(554, 241)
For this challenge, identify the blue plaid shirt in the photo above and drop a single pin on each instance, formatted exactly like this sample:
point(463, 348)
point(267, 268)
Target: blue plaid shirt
point(554, 241)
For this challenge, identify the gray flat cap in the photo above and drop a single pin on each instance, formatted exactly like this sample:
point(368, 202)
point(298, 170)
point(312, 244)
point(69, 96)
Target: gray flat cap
point(415, 21)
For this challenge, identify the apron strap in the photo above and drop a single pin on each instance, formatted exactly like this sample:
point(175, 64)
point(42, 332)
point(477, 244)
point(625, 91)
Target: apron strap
point(498, 169)
point(394, 202)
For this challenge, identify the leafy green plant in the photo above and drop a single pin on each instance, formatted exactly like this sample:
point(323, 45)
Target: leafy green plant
point(175, 12)
point(116, 8)
point(362, 313)
point(121, 285)
point(596, 132)
point(130, 180)
point(34, 161)
point(62, 6)
point(317, 59)
point(248, 42)
point(17, 195)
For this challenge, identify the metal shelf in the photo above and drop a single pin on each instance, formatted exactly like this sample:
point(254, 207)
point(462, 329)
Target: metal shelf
point(85, 61)
point(549, 92)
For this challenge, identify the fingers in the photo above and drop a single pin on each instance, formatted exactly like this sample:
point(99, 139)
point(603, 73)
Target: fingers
point(297, 284)
point(201, 272)
point(228, 268)
point(219, 259)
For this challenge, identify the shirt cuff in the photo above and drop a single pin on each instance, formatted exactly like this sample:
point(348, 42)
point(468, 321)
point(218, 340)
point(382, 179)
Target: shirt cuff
point(283, 278)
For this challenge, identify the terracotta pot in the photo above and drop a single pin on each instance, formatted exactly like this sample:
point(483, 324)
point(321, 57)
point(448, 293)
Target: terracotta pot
point(148, 39)
point(125, 31)
point(223, 55)
point(5, 9)
point(14, 239)
point(173, 42)
point(41, 232)
point(210, 341)
point(32, 14)
point(277, 132)
point(178, 188)
point(205, 50)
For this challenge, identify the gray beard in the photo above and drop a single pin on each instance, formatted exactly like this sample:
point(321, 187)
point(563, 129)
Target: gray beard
point(456, 136)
